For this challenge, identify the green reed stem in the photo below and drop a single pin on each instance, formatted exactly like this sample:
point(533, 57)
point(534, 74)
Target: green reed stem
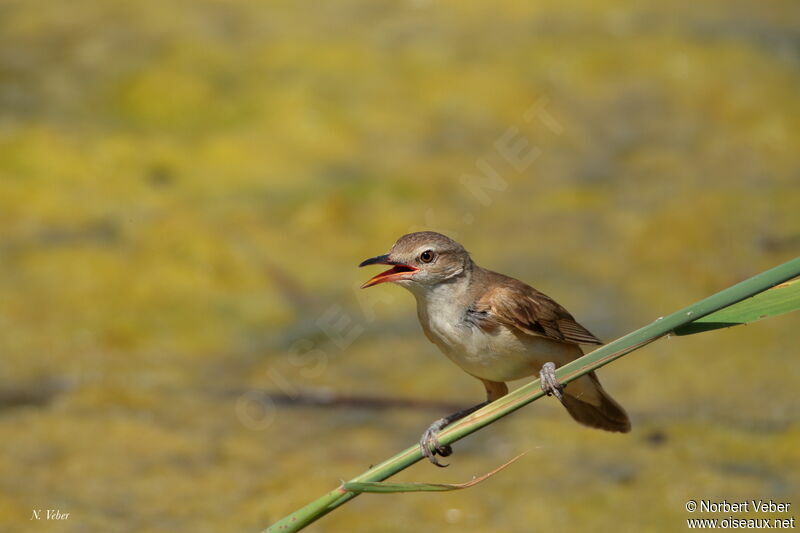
point(532, 391)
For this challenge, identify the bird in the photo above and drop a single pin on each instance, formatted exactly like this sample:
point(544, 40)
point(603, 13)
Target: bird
point(496, 328)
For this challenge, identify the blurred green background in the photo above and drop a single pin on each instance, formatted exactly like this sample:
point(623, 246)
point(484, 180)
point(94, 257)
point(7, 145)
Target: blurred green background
point(186, 188)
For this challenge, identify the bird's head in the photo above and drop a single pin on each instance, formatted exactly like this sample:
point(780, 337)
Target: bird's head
point(420, 260)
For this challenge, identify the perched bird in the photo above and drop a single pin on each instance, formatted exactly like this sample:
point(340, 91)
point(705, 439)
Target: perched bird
point(496, 328)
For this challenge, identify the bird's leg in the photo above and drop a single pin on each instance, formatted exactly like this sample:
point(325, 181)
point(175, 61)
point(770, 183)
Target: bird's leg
point(429, 443)
point(550, 385)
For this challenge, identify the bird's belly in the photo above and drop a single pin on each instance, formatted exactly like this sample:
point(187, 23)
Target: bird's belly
point(502, 355)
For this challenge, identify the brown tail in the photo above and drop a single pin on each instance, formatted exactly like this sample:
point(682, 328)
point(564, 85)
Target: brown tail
point(597, 410)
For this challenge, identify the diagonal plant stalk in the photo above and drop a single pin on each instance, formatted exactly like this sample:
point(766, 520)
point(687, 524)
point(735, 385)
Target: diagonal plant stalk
point(532, 391)
point(380, 487)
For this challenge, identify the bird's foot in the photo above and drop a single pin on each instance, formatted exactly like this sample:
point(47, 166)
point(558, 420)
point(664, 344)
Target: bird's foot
point(429, 443)
point(550, 384)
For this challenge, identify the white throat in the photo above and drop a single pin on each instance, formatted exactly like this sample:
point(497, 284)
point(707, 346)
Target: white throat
point(441, 308)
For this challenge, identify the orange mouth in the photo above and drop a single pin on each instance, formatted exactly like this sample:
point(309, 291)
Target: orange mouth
point(396, 273)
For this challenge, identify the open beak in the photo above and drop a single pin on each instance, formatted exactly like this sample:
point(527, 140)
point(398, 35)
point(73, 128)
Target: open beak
point(397, 272)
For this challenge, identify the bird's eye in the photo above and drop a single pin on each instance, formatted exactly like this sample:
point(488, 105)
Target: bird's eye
point(426, 256)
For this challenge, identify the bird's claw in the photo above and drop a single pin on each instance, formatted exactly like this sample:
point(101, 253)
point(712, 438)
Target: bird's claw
point(430, 446)
point(550, 384)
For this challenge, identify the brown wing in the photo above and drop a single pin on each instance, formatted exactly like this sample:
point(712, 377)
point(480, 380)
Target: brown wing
point(521, 306)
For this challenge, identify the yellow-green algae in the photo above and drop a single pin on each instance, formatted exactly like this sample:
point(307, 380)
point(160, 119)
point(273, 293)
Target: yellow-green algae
point(166, 167)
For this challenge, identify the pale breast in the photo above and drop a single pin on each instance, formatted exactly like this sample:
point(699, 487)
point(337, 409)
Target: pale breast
point(499, 355)
point(442, 322)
